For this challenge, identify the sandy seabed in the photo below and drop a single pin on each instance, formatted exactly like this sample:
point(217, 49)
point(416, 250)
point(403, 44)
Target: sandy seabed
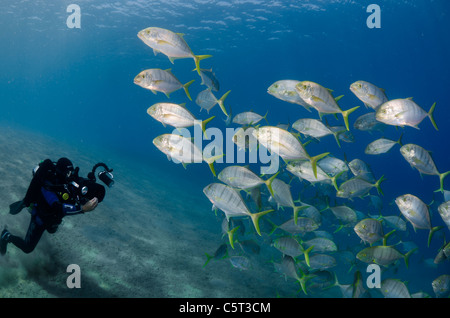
point(144, 239)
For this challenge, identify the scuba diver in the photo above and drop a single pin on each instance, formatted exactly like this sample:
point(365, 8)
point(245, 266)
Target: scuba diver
point(55, 191)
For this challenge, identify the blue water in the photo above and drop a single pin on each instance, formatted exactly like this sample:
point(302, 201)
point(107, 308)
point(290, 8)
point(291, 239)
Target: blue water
point(76, 85)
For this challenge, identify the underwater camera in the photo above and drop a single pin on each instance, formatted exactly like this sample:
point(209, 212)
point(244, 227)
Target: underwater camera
point(86, 189)
point(105, 176)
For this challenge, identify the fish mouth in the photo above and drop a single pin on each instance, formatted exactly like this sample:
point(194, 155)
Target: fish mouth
point(271, 91)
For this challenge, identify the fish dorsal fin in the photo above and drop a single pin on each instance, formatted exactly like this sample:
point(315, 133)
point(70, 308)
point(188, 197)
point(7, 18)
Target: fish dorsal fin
point(180, 34)
point(338, 98)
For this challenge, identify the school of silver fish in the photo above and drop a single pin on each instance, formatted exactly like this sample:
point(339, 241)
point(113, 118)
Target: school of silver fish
point(301, 237)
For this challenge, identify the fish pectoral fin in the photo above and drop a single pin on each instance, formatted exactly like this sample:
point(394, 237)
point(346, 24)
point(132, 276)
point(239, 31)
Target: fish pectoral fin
point(399, 114)
point(162, 42)
point(316, 99)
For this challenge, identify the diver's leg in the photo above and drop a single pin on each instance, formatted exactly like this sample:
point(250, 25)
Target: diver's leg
point(33, 236)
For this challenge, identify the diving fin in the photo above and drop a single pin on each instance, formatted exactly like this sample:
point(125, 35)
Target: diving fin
point(16, 207)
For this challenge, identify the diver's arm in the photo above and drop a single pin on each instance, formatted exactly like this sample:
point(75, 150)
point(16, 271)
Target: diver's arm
point(90, 205)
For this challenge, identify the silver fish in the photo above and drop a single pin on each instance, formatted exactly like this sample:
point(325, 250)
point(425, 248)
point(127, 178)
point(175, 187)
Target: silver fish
point(441, 286)
point(288, 246)
point(179, 148)
point(394, 288)
point(343, 134)
point(283, 196)
point(369, 230)
point(231, 203)
point(209, 79)
point(248, 118)
point(175, 115)
point(371, 95)
point(231, 227)
point(311, 212)
point(321, 99)
point(322, 262)
point(206, 100)
point(285, 145)
point(243, 178)
point(240, 262)
point(245, 139)
point(357, 187)
point(444, 211)
point(446, 195)
point(170, 44)
point(416, 212)
point(182, 149)
point(395, 222)
point(333, 166)
point(404, 112)
point(314, 128)
point(288, 268)
point(358, 287)
point(361, 169)
point(304, 225)
point(158, 80)
point(420, 159)
point(368, 122)
point(220, 253)
point(285, 90)
point(441, 256)
point(383, 255)
point(304, 170)
point(381, 145)
point(291, 247)
point(321, 245)
point(345, 214)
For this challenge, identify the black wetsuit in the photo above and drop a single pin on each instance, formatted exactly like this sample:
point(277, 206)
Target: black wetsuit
point(46, 214)
point(50, 198)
